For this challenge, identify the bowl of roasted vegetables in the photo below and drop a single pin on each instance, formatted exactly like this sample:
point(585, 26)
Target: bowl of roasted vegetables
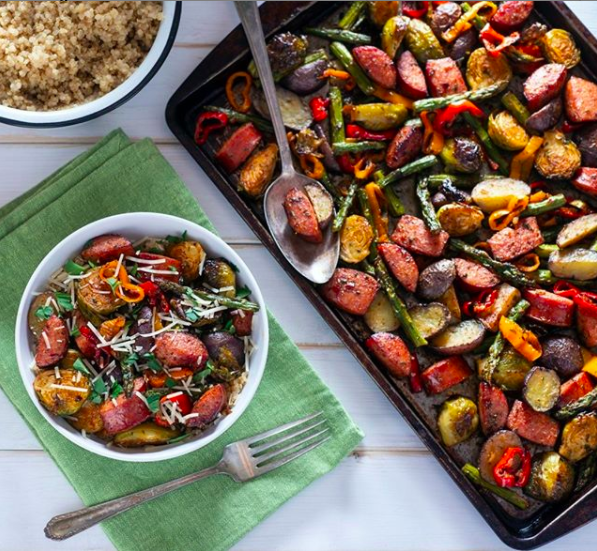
point(459, 144)
point(142, 337)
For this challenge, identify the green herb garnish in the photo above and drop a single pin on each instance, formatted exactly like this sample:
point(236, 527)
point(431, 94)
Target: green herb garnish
point(116, 391)
point(176, 238)
point(170, 383)
point(96, 398)
point(151, 362)
point(179, 438)
point(229, 327)
point(243, 292)
point(191, 315)
point(99, 386)
point(74, 332)
point(153, 402)
point(44, 312)
point(64, 301)
point(133, 270)
point(73, 268)
point(202, 375)
point(113, 283)
point(80, 366)
point(131, 359)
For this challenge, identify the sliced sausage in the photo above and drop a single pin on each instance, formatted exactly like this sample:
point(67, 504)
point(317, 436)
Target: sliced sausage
point(412, 234)
point(242, 322)
point(391, 351)
point(473, 276)
point(549, 308)
point(350, 290)
point(53, 343)
point(178, 349)
point(444, 77)
point(546, 117)
point(575, 388)
point(238, 147)
point(493, 408)
point(411, 79)
point(445, 374)
point(581, 100)
point(405, 146)
point(532, 425)
point(401, 264)
point(544, 84)
point(585, 180)
point(511, 16)
point(587, 144)
point(105, 248)
point(207, 408)
point(127, 412)
point(378, 65)
point(511, 243)
point(168, 269)
point(302, 216)
point(444, 16)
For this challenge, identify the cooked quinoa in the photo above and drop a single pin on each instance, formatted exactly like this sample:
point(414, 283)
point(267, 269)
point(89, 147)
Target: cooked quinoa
point(58, 54)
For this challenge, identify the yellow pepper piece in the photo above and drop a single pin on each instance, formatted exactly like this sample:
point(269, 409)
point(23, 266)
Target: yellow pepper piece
point(481, 9)
point(374, 196)
point(500, 219)
point(364, 168)
point(392, 97)
point(525, 342)
point(433, 141)
point(312, 166)
point(522, 163)
point(591, 366)
point(110, 328)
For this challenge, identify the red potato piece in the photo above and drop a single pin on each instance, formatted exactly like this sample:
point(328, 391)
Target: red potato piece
point(153, 272)
point(511, 243)
point(507, 297)
point(401, 264)
point(405, 146)
point(350, 290)
point(411, 79)
point(580, 98)
point(302, 216)
point(575, 388)
point(238, 147)
point(544, 84)
point(493, 408)
point(444, 77)
point(391, 351)
point(127, 412)
point(178, 349)
point(549, 308)
point(532, 425)
point(511, 16)
point(445, 374)
point(105, 248)
point(585, 180)
point(207, 408)
point(242, 322)
point(377, 65)
point(473, 276)
point(412, 234)
point(50, 352)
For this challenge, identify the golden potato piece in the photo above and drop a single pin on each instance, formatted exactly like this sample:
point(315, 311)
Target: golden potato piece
point(145, 434)
point(258, 171)
point(88, 418)
point(63, 396)
point(459, 219)
point(191, 255)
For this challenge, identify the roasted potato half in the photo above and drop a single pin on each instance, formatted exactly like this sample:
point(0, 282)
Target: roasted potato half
point(191, 255)
point(63, 396)
point(430, 319)
point(380, 316)
point(552, 477)
point(458, 420)
point(459, 219)
point(579, 438)
point(493, 449)
point(579, 264)
point(88, 418)
point(145, 434)
point(459, 339)
point(496, 193)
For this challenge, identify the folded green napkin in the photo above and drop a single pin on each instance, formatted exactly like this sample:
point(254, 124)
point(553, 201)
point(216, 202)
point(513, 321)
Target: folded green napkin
point(117, 176)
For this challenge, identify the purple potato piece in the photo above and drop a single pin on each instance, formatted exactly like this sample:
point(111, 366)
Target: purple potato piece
point(306, 79)
point(143, 325)
point(329, 161)
point(546, 117)
point(215, 342)
point(463, 45)
point(586, 139)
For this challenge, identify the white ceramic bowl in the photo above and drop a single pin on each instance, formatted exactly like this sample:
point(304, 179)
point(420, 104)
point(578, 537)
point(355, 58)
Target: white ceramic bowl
point(121, 94)
point(135, 226)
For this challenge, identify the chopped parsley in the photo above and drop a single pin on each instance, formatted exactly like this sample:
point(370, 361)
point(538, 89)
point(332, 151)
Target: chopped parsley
point(91, 264)
point(131, 359)
point(73, 268)
point(202, 375)
point(153, 401)
point(113, 283)
point(74, 332)
point(99, 386)
point(133, 270)
point(116, 391)
point(151, 362)
point(243, 292)
point(44, 312)
point(96, 398)
point(80, 366)
point(172, 268)
point(176, 238)
point(229, 327)
point(64, 301)
point(191, 315)
point(170, 383)
point(233, 266)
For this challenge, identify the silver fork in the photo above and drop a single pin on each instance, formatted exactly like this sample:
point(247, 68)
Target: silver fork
point(241, 461)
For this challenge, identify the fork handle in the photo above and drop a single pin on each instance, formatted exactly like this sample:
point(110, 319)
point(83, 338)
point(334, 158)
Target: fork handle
point(64, 526)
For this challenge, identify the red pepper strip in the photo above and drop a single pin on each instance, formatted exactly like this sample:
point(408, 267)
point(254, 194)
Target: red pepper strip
point(359, 133)
point(346, 163)
point(319, 108)
point(495, 42)
point(574, 209)
point(565, 289)
point(569, 127)
point(538, 186)
point(485, 301)
point(445, 118)
point(415, 380)
point(155, 296)
point(207, 123)
point(586, 300)
point(513, 470)
point(414, 12)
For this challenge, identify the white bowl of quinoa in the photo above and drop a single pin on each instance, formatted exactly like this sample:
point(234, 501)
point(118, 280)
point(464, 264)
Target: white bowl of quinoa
point(63, 63)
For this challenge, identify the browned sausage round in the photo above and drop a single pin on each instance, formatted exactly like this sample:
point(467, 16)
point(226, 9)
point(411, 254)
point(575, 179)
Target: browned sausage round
point(242, 322)
point(302, 216)
point(401, 264)
point(585, 180)
point(378, 65)
point(405, 146)
point(207, 408)
point(474, 276)
point(444, 16)
point(511, 16)
point(511, 243)
point(127, 412)
point(537, 427)
point(177, 349)
point(350, 290)
point(444, 77)
point(238, 147)
point(391, 351)
point(544, 85)
point(493, 408)
point(105, 248)
point(581, 100)
point(412, 234)
point(53, 343)
point(411, 79)
point(546, 117)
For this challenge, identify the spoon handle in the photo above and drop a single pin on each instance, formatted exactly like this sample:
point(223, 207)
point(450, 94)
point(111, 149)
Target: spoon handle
point(249, 17)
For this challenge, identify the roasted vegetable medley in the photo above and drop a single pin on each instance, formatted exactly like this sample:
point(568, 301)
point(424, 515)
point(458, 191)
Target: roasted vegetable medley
point(141, 344)
point(459, 144)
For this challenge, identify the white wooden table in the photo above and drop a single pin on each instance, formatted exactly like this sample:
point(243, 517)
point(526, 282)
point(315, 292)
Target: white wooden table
point(390, 494)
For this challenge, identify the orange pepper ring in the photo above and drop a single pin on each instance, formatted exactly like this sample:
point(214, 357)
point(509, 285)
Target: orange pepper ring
point(244, 92)
point(374, 193)
point(312, 166)
point(122, 291)
point(105, 275)
point(528, 263)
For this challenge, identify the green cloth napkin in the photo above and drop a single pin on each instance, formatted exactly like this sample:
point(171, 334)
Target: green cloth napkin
point(117, 176)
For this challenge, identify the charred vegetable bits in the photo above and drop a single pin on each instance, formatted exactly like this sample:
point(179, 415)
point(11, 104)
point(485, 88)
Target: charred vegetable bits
point(141, 344)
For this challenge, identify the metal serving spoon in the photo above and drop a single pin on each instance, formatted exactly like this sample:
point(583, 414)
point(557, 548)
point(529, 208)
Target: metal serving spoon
point(316, 262)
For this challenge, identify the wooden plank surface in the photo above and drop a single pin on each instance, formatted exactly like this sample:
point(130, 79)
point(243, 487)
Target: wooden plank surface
point(389, 495)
